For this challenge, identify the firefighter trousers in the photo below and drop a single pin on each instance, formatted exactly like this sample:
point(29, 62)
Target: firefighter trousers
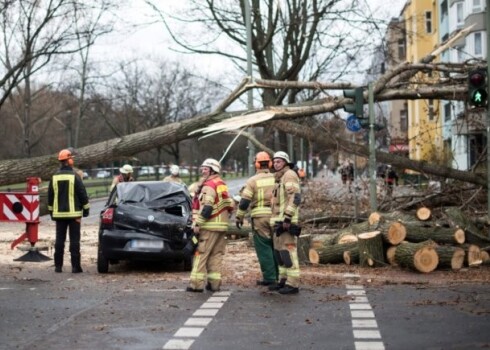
point(73, 226)
point(286, 251)
point(208, 260)
point(264, 248)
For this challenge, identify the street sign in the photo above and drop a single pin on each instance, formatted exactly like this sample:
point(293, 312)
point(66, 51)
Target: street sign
point(353, 124)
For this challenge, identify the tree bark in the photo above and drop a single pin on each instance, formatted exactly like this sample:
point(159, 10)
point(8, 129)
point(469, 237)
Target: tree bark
point(458, 219)
point(371, 252)
point(333, 254)
point(442, 235)
point(450, 257)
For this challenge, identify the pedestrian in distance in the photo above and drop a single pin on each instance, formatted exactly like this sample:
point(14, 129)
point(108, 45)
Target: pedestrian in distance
point(391, 179)
point(284, 221)
point(257, 196)
point(174, 175)
point(213, 206)
point(67, 203)
point(125, 175)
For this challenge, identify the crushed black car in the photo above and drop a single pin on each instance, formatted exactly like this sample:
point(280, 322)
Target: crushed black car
point(145, 221)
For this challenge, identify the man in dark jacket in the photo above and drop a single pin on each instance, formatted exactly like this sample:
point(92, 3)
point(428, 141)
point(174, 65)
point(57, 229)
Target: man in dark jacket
point(67, 203)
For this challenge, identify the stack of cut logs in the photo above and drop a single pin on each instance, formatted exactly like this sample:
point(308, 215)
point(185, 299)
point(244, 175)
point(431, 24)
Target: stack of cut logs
point(415, 241)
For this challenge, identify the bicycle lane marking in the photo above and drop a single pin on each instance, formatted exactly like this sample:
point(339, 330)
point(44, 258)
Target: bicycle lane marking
point(364, 326)
point(195, 325)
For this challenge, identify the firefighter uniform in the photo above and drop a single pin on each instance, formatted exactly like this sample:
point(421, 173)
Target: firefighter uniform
point(257, 195)
point(67, 203)
point(285, 208)
point(214, 207)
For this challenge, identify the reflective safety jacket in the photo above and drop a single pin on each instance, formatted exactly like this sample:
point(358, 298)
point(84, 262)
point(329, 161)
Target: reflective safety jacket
point(258, 190)
point(214, 193)
point(67, 196)
point(286, 196)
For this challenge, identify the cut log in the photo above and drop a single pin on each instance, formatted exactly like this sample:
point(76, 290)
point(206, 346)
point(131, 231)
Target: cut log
point(473, 256)
point(317, 241)
point(450, 257)
point(303, 248)
point(473, 234)
point(390, 255)
point(374, 218)
point(423, 213)
point(442, 235)
point(371, 252)
point(351, 256)
point(396, 233)
point(485, 257)
point(420, 257)
point(333, 254)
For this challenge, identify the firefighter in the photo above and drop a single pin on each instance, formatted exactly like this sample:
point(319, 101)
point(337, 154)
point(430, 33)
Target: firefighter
point(213, 205)
point(67, 203)
point(174, 175)
point(284, 222)
point(125, 175)
point(257, 195)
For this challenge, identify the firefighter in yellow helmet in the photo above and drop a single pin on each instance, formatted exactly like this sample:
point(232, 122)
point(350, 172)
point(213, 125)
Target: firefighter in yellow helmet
point(67, 203)
point(284, 222)
point(213, 205)
point(257, 195)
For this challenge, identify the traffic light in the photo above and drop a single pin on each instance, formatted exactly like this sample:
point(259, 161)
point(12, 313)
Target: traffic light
point(356, 108)
point(477, 88)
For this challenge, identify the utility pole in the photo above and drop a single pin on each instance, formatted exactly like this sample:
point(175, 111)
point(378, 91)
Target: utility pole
point(250, 102)
point(372, 152)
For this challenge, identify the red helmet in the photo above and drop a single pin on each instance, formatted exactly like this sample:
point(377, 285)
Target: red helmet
point(262, 157)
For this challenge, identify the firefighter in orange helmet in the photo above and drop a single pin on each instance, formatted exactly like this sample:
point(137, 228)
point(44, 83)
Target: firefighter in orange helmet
point(67, 203)
point(257, 195)
point(213, 205)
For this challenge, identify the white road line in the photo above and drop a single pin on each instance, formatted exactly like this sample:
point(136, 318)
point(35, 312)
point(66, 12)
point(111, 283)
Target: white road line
point(196, 324)
point(364, 325)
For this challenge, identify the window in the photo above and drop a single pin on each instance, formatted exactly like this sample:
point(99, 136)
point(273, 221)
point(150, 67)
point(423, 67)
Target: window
point(428, 22)
point(404, 119)
point(431, 110)
point(401, 50)
point(447, 112)
point(478, 44)
point(459, 14)
point(476, 6)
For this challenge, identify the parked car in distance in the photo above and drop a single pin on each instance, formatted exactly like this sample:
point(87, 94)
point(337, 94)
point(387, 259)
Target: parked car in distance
point(145, 221)
point(146, 170)
point(103, 174)
point(86, 175)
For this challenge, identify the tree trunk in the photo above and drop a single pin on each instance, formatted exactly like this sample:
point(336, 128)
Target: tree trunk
point(423, 214)
point(333, 254)
point(420, 257)
point(390, 255)
point(438, 234)
point(351, 257)
point(304, 242)
point(371, 251)
point(473, 234)
point(473, 256)
point(450, 257)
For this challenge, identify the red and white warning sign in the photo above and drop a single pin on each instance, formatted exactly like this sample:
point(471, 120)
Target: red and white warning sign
point(19, 207)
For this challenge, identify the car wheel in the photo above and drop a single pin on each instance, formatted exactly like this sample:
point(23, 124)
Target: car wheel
point(188, 263)
point(102, 263)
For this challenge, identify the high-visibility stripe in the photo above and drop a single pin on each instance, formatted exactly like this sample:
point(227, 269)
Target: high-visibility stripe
point(214, 276)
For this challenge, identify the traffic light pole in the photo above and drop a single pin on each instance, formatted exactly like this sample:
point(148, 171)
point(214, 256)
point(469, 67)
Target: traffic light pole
point(372, 152)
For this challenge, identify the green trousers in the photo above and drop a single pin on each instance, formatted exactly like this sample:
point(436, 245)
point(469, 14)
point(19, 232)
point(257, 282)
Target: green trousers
point(265, 249)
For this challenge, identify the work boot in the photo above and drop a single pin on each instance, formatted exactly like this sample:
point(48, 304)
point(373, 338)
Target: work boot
point(190, 289)
point(57, 269)
point(209, 288)
point(76, 269)
point(265, 282)
point(277, 286)
point(287, 289)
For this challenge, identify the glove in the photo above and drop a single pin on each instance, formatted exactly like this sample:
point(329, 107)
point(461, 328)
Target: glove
point(86, 212)
point(239, 223)
point(191, 246)
point(286, 224)
point(278, 228)
point(295, 230)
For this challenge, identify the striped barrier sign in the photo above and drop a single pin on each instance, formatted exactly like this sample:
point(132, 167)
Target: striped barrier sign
point(19, 207)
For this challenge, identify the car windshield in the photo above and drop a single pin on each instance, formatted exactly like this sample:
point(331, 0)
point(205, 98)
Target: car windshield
point(152, 194)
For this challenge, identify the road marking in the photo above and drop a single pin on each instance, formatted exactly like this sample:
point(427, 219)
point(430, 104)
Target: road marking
point(364, 325)
point(196, 324)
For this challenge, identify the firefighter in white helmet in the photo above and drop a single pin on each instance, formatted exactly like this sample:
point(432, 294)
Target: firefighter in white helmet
point(284, 222)
point(213, 205)
point(125, 175)
point(174, 175)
